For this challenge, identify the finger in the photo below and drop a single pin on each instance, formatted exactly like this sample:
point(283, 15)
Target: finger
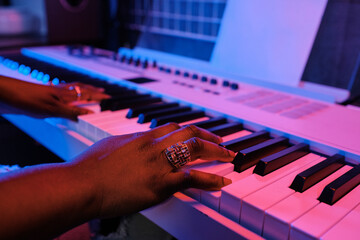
point(187, 132)
point(71, 112)
point(90, 95)
point(85, 86)
point(206, 150)
point(163, 130)
point(196, 179)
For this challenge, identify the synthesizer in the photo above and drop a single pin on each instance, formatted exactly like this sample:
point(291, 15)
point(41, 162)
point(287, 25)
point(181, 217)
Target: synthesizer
point(296, 174)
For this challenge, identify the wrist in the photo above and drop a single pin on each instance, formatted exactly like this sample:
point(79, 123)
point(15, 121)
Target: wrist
point(89, 193)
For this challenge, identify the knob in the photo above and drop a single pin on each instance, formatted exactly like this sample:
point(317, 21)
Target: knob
point(213, 81)
point(226, 83)
point(234, 86)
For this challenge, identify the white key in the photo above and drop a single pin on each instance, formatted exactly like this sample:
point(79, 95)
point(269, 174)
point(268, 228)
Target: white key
point(239, 134)
point(212, 198)
point(232, 195)
point(213, 167)
point(279, 217)
point(347, 228)
point(254, 206)
point(89, 125)
point(321, 218)
point(194, 121)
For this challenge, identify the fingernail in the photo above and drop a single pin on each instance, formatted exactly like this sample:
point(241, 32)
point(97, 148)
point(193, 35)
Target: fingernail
point(231, 153)
point(226, 181)
point(85, 111)
point(220, 140)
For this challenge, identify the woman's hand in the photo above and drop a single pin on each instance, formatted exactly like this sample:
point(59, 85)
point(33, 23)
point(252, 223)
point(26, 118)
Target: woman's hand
point(47, 101)
point(116, 176)
point(131, 172)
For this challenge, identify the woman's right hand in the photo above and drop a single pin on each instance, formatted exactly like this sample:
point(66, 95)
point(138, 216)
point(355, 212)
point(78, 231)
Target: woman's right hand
point(131, 172)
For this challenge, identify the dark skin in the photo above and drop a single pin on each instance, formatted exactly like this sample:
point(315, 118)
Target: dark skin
point(42, 101)
point(116, 176)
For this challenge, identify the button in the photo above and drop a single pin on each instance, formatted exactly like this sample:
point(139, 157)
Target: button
point(168, 70)
point(195, 76)
point(234, 86)
point(46, 78)
point(14, 65)
point(161, 68)
point(123, 58)
point(21, 68)
point(226, 83)
point(130, 60)
point(177, 72)
point(138, 62)
point(154, 64)
point(26, 71)
point(186, 74)
point(213, 81)
point(204, 79)
point(55, 81)
point(145, 64)
point(34, 73)
point(40, 76)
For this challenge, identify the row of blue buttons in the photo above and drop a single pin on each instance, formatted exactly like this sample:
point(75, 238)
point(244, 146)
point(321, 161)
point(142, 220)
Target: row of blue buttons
point(26, 70)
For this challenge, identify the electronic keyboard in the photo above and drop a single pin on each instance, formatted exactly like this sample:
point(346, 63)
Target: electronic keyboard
point(296, 172)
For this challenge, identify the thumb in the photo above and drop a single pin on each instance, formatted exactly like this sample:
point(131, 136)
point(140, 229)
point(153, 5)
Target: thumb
point(196, 179)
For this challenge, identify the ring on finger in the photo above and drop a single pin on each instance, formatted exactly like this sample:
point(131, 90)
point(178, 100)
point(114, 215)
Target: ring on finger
point(77, 91)
point(178, 154)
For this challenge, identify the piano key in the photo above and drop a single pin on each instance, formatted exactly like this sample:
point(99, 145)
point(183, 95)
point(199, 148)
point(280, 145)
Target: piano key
point(147, 117)
point(314, 174)
point(279, 217)
point(250, 156)
point(197, 194)
point(212, 122)
point(321, 218)
point(254, 206)
point(178, 118)
point(226, 129)
point(246, 141)
point(135, 103)
point(212, 198)
point(338, 188)
point(232, 195)
point(279, 159)
point(106, 104)
point(89, 126)
point(135, 112)
point(347, 228)
point(190, 122)
point(213, 167)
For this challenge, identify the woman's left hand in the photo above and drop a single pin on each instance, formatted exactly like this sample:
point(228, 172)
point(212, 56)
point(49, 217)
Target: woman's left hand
point(43, 101)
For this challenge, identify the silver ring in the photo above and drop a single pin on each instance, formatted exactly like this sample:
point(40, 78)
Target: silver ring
point(77, 90)
point(178, 154)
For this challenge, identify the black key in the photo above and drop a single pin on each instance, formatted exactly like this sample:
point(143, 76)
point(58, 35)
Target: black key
point(280, 159)
point(134, 112)
point(135, 103)
point(178, 118)
point(341, 186)
point(246, 141)
point(108, 104)
point(212, 122)
point(147, 117)
point(250, 156)
point(316, 173)
point(226, 129)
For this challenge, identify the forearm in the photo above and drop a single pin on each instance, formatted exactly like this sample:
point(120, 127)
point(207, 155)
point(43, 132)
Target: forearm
point(45, 201)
